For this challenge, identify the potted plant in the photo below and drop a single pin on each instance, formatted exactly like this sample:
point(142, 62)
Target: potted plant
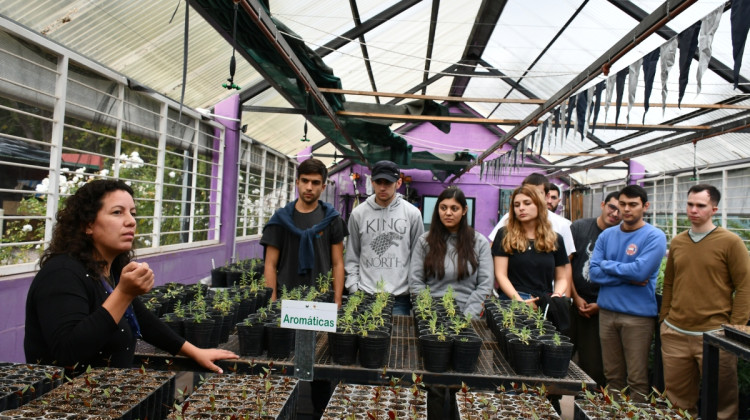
point(250, 335)
point(324, 283)
point(373, 343)
point(343, 342)
point(525, 353)
point(556, 355)
point(465, 353)
point(280, 339)
point(436, 350)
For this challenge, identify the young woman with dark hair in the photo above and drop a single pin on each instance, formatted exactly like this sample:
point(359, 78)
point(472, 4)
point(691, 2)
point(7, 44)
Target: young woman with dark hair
point(81, 309)
point(452, 254)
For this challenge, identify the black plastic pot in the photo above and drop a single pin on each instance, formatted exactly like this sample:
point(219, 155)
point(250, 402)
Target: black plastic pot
point(246, 306)
point(250, 338)
point(343, 347)
point(176, 324)
point(280, 341)
point(436, 354)
point(216, 331)
point(200, 333)
point(525, 358)
point(466, 350)
point(555, 359)
point(233, 277)
point(218, 277)
point(373, 349)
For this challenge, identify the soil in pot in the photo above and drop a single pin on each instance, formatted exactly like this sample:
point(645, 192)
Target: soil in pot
point(343, 347)
point(373, 349)
point(556, 358)
point(436, 352)
point(466, 350)
point(250, 338)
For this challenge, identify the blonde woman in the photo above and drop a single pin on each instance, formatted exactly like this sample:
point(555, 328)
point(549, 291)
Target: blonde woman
point(529, 256)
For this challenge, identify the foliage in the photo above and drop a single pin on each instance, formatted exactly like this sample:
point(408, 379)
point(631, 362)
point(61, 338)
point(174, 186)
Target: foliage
point(660, 276)
point(324, 282)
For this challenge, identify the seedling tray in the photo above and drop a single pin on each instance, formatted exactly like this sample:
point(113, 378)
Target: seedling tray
point(122, 394)
point(21, 383)
point(241, 396)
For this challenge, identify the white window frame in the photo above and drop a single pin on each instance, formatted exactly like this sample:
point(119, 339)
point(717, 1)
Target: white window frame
point(203, 132)
point(668, 197)
point(280, 177)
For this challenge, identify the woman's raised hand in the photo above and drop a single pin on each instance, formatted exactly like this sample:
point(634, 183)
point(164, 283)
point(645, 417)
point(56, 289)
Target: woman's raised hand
point(136, 279)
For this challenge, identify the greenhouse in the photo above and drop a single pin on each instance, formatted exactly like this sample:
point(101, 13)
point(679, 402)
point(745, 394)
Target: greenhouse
point(333, 171)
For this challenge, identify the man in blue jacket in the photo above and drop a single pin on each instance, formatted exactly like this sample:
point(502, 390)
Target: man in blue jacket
point(625, 264)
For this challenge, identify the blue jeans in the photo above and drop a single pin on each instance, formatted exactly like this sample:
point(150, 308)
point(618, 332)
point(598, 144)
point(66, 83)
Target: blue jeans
point(402, 305)
point(523, 295)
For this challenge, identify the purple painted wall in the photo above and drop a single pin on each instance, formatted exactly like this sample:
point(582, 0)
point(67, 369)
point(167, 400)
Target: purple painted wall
point(636, 171)
point(229, 107)
point(425, 136)
point(12, 315)
point(184, 266)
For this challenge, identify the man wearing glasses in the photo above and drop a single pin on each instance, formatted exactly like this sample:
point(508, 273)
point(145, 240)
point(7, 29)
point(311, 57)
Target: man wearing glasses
point(584, 313)
point(706, 284)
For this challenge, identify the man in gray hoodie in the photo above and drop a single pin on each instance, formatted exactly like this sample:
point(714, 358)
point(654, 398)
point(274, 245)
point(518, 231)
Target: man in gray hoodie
point(382, 232)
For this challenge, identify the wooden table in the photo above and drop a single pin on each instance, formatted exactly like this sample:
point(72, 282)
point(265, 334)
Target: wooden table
point(492, 369)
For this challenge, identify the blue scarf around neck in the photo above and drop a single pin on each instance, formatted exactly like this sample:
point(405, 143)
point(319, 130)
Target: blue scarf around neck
point(285, 218)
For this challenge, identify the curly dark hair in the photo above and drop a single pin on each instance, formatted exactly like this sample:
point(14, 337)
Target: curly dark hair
point(434, 261)
point(69, 234)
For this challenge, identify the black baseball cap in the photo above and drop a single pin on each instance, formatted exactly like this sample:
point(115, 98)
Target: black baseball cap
point(385, 169)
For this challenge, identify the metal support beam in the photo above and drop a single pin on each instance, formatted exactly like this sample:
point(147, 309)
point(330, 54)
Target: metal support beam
point(730, 127)
point(430, 43)
point(544, 51)
point(663, 14)
point(507, 79)
point(273, 110)
point(424, 84)
point(363, 46)
point(258, 14)
point(484, 24)
point(338, 42)
point(674, 121)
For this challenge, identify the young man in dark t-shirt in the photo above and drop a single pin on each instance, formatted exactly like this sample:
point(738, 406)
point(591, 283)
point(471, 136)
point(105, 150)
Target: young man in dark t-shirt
point(584, 313)
point(305, 238)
